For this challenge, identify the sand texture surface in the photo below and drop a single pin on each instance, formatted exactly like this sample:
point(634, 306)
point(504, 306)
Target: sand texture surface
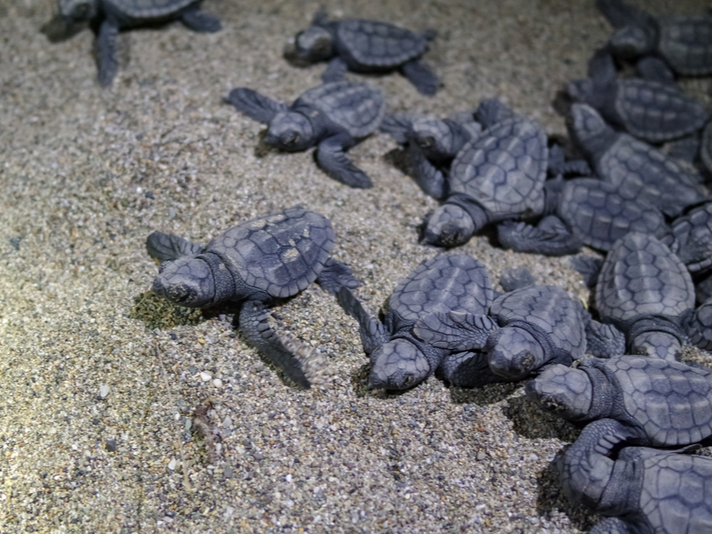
point(120, 412)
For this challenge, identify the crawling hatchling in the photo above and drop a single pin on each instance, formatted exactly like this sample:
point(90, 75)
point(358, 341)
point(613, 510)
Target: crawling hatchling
point(249, 267)
point(651, 110)
point(527, 328)
point(331, 117)
point(399, 359)
point(641, 490)
point(683, 42)
point(366, 46)
point(638, 170)
point(632, 399)
point(116, 15)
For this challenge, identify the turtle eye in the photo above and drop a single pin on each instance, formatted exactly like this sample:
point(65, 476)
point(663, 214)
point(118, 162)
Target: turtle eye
point(292, 139)
point(426, 142)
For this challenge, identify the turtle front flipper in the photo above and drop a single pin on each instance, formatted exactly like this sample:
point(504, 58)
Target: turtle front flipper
point(620, 14)
point(106, 47)
point(336, 275)
point(256, 106)
point(335, 71)
point(656, 70)
point(454, 331)
point(431, 180)
point(604, 340)
point(467, 369)
point(421, 76)
point(588, 267)
point(164, 247)
point(373, 333)
point(397, 125)
point(551, 237)
point(331, 158)
point(256, 329)
point(200, 21)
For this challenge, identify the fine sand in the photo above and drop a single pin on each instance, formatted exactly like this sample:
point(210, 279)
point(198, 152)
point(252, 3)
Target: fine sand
point(122, 413)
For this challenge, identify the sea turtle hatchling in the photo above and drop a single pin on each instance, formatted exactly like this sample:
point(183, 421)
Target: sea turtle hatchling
point(366, 46)
point(632, 399)
point(642, 490)
point(249, 266)
point(582, 211)
point(496, 176)
point(690, 238)
point(116, 15)
point(330, 116)
point(526, 329)
point(445, 283)
point(647, 109)
point(684, 42)
point(638, 170)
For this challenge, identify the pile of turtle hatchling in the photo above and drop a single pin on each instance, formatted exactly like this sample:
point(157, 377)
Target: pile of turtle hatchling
point(630, 182)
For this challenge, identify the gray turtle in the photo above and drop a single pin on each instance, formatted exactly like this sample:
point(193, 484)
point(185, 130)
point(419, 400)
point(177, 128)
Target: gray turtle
point(684, 42)
point(637, 169)
point(633, 399)
point(366, 46)
point(116, 15)
point(643, 491)
point(250, 266)
point(496, 176)
point(330, 116)
point(582, 211)
point(445, 283)
point(526, 329)
point(645, 291)
point(647, 109)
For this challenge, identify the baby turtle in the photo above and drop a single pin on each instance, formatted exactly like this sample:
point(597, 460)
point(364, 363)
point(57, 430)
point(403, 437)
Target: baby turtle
point(691, 238)
point(250, 266)
point(684, 42)
point(445, 283)
point(432, 145)
point(645, 291)
point(585, 211)
point(647, 109)
point(366, 46)
point(330, 116)
point(496, 176)
point(633, 399)
point(116, 15)
point(643, 491)
point(526, 329)
point(638, 170)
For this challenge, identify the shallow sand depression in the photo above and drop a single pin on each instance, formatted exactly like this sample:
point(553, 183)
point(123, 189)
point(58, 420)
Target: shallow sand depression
point(123, 413)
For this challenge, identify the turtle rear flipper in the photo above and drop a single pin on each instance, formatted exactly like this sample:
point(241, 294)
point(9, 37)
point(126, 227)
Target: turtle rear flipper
point(421, 76)
point(336, 275)
point(331, 158)
point(256, 329)
point(431, 180)
point(256, 106)
point(604, 340)
point(454, 330)
point(373, 333)
point(106, 48)
point(551, 237)
point(200, 21)
point(164, 247)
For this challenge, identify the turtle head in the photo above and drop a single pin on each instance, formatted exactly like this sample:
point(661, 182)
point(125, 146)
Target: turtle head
point(186, 281)
point(449, 226)
point(585, 475)
point(433, 137)
point(314, 44)
point(588, 129)
point(562, 390)
point(290, 131)
point(514, 353)
point(398, 365)
point(631, 42)
point(78, 10)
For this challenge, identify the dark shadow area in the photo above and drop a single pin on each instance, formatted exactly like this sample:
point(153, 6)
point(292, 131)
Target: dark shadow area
point(156, 312)
point(489, 394)
point(532, 422)
point(398, 158)
point(58, 29)
point(550, 498)
point(262, 149)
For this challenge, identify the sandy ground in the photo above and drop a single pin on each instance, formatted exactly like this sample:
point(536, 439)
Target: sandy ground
point(122, 413)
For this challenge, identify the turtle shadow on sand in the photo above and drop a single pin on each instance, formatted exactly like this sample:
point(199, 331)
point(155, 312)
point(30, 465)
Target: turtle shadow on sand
point(398, 159)
point(532, 422)
point(158, 313)
point(550, 498)
point(485, 395)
